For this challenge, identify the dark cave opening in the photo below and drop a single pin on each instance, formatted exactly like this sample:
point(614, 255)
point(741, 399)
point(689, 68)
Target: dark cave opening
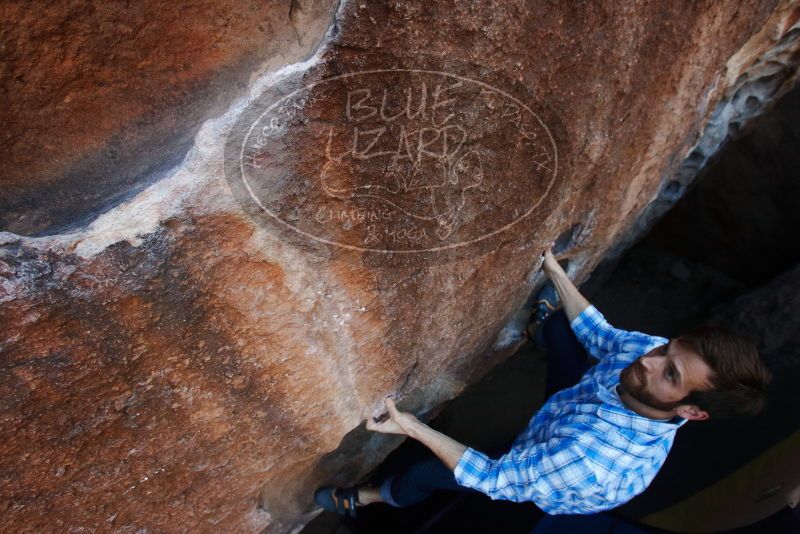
point(732, 233)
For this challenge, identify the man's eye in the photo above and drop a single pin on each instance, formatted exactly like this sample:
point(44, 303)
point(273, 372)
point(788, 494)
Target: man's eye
point(664, 349)
point(670, 374)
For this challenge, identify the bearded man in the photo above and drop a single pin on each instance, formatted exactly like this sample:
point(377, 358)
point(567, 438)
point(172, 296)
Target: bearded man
point(605, 429)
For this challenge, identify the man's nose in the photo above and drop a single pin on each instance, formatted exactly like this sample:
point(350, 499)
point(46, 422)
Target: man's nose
point(650, 363)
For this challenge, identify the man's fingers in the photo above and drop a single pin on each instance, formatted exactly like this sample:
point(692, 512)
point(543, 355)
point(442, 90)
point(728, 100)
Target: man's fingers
point(373, 425)
point(389, 402)
point(377, 423)
point(381, 418)
point(389, 422)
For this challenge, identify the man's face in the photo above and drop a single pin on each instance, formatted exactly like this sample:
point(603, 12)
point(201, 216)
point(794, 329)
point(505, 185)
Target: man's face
point(664, 376)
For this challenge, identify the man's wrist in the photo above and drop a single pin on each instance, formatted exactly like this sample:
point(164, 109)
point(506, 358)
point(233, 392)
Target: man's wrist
point(415, 428)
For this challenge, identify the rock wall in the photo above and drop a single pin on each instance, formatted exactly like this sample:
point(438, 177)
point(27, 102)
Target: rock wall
point(102, 99)
point(746, 203)
point(365, 221)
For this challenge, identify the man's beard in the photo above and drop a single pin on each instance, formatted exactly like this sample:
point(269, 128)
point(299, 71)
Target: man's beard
point(639, 390)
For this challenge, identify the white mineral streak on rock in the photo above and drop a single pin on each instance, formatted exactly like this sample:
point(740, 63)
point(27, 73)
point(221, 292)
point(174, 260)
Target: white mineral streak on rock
point(198, 182)
point(139, 216)
point(258, 519)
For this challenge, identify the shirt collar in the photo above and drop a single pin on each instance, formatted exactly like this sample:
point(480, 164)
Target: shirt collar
point(624, 416)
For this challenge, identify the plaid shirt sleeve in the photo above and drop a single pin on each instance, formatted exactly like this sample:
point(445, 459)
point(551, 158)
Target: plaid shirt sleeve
point(554, 475)
point(601, 339)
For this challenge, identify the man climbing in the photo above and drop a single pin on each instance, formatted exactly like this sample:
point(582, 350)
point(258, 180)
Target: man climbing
point(605, 430)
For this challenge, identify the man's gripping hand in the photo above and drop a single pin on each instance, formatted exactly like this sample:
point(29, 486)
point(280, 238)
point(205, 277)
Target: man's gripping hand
point(397, 423)
point(446, 448)
point(574, 302)
point(550, 266)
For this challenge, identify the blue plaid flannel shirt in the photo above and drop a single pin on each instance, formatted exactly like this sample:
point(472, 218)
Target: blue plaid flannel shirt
point(584, 451)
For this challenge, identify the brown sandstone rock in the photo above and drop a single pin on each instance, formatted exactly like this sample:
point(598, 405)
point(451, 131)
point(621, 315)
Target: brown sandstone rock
point(100, 99)
point(189, 347)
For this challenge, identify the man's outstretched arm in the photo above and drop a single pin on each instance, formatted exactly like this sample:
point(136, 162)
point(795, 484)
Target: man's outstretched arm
point(574, 303)
point(588, 324)
point(446, 448)
point(566, 476)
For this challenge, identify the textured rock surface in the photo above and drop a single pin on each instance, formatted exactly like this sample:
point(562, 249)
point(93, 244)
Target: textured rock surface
point(101, 99)
point(746, 204)
point(168, 361)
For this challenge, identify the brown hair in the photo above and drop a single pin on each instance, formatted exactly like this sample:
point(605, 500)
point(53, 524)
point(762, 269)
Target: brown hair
point(739, 378)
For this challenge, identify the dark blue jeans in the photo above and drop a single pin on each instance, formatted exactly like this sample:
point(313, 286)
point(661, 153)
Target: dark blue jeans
point(566, 362)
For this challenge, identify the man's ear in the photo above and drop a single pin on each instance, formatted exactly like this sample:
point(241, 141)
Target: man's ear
point(692, 412)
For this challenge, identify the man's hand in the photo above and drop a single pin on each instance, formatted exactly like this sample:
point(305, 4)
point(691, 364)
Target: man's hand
point(446, 448)
point(397, 423)
point(550, 266)
point(574, 302)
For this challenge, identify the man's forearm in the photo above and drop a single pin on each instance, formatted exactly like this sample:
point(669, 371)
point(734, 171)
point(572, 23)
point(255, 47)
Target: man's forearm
point(574, 303)
point(446, 448)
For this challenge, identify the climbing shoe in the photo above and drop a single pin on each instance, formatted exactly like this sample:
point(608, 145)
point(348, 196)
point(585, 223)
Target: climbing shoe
point(340, 500)
point(544, 304)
